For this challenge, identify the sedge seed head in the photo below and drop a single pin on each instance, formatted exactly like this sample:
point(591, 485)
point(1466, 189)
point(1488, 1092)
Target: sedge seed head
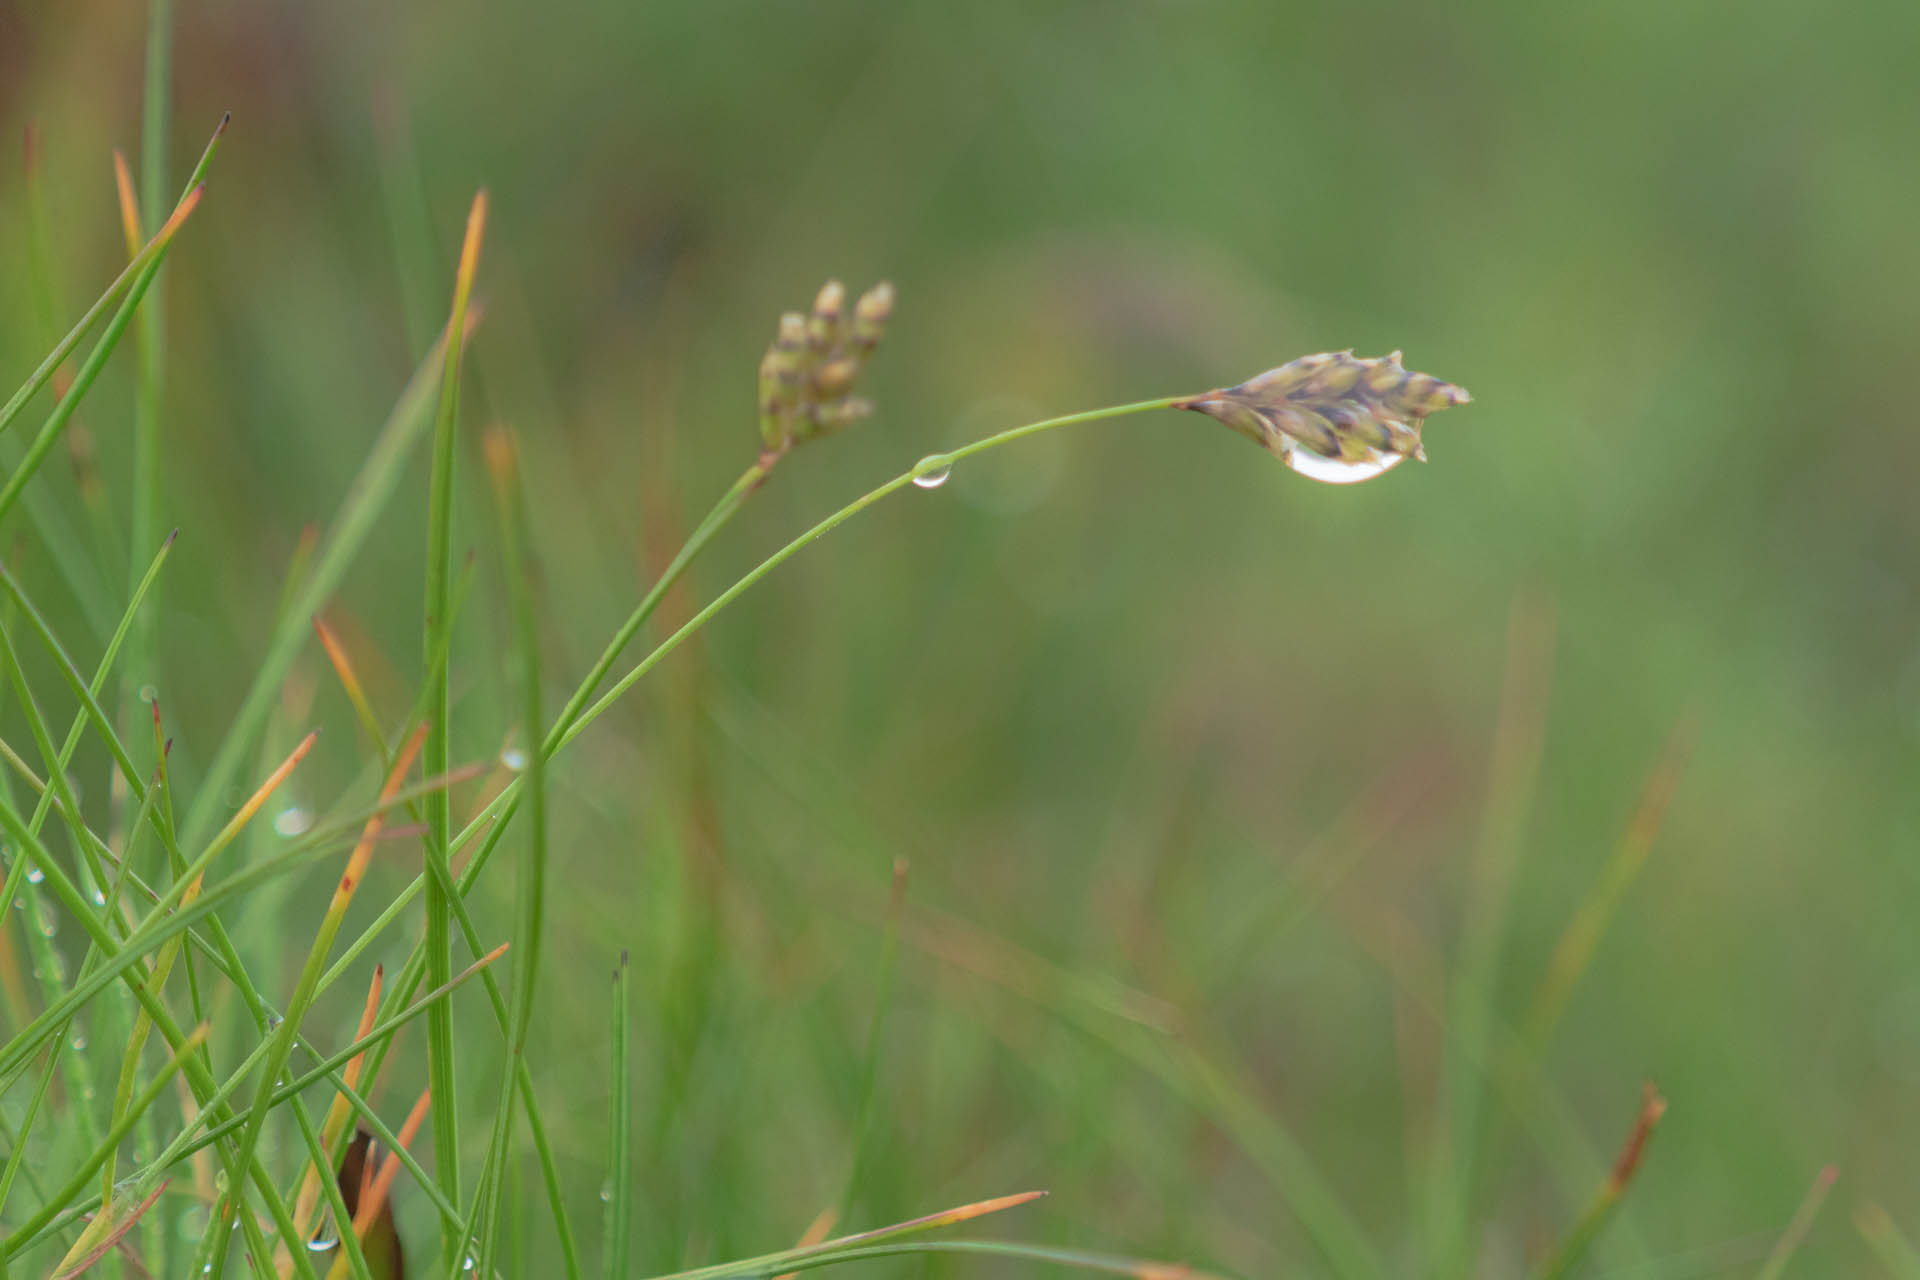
point(1334, 416)
point(807, 375)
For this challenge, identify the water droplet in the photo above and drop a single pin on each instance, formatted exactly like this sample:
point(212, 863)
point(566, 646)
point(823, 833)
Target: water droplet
point(1340, 470)
point(148, 693)
point(324, 1239)
point(35, 875)
point(514, 758)
point(468, 1264)
point(293, 820)
point(99, 898)
point(79, 1041)
point(606, 1191)
point(49, 925)
point(932, 471)
point(19, 904)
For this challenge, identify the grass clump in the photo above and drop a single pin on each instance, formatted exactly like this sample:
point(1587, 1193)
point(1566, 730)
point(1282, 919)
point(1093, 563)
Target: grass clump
point(215, 1118)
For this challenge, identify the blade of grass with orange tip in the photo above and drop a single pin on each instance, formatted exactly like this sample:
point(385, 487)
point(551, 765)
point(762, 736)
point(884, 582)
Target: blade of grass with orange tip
point(530, 893)
point(803, 1257)
point(1802, 1222)
point(439, 593)
point(281, 1045)
point(334, 1127)
point(49, 434)
point(188, 1144)
point(1077, 1259)
point(375, 1197)
point(135, 279)
point(1577, 944)
point(350, 683)
point(129, 206)
point(104, 1221)
point(1568, 1255)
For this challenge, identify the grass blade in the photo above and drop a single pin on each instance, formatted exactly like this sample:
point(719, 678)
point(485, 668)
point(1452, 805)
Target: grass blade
point(440, 1042)
point(876, 1033)
point(1802, 1223)
point(1076, 1259)
point(619, 1197)
point(530, 896)
point(1511, 780)
point(1574, 1248)
point(1574, 952)
point(800, 1258)
point(1889, 1243)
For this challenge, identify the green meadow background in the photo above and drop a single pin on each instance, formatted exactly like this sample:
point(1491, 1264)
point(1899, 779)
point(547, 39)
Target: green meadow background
point(1224, 796)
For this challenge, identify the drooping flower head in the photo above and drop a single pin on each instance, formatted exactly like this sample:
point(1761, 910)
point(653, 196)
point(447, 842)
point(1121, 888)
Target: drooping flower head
point(1334, 416)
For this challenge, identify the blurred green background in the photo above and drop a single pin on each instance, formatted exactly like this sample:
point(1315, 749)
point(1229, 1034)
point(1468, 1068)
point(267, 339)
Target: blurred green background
point(1190, 757)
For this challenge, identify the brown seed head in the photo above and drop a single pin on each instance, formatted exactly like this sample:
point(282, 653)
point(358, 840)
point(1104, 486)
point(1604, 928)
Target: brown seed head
point(1362, 416)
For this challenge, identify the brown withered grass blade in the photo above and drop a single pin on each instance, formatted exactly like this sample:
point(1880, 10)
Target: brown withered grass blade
point(372, 1205)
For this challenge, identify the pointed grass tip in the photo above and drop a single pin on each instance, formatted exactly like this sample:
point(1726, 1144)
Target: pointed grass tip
point(1334, 417)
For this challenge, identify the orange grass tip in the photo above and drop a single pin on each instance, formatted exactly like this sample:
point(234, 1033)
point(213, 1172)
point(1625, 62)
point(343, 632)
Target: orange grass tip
point(498, 448)
point(808, 373)
point(1334, 417)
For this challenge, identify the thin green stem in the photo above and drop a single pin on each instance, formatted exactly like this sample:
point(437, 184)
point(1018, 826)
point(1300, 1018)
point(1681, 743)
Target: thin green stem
point(576, 715)
point(619, 1189)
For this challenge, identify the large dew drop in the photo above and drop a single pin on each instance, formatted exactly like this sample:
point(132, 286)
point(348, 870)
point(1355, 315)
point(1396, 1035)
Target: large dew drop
point(932, 471)
point(1340, 470)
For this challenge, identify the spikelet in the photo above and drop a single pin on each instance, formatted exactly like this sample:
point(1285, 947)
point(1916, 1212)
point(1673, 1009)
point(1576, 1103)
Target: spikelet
point(1361, 416)
point(808, 373)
